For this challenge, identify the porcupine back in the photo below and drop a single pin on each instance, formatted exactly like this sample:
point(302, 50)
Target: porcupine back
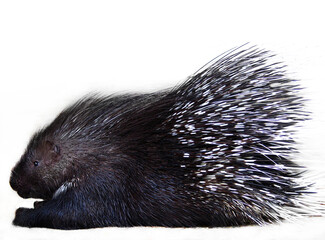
point(234, 122)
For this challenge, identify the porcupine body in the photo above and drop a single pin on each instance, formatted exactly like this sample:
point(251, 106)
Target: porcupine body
point(214, 151)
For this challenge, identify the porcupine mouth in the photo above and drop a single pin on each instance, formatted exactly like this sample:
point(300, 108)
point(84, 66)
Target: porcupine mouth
point(33, 194)
point(25, 195)
point(41, 198)
point(46, 197)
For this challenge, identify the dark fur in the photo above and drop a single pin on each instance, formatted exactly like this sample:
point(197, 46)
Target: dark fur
point(144, 160)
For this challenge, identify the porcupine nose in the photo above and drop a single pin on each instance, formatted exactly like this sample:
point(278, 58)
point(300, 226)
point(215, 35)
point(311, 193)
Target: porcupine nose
point(14, 183)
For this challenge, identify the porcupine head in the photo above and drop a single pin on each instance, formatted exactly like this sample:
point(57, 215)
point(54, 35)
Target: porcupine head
point(40, 170)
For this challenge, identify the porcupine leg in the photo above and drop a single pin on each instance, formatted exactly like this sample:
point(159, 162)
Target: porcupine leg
point(50, 214)
point(25, 217)
point(71, 207)
point(42, 217)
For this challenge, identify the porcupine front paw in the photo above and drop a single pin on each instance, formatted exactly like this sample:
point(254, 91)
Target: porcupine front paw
point(22, 217)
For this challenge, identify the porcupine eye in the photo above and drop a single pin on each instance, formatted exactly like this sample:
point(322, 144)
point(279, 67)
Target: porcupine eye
point(35, 163)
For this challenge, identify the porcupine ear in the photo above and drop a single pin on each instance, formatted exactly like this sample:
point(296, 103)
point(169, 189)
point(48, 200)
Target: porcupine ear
point(53, 152)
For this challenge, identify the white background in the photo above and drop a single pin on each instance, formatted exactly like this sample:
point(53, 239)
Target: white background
point(52, 52)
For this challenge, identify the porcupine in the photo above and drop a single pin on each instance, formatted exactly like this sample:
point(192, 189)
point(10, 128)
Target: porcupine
point(214, 151)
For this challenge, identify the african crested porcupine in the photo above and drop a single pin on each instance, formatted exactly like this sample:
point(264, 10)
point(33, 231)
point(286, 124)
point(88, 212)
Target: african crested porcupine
point(215, 151)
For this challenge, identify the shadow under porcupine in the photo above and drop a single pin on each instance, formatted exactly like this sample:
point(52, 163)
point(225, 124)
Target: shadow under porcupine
point(215, 151)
